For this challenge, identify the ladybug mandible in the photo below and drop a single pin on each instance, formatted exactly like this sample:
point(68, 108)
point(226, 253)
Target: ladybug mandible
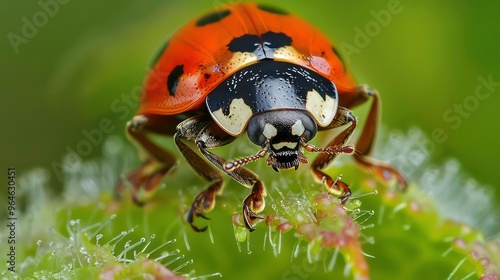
point(253, 68)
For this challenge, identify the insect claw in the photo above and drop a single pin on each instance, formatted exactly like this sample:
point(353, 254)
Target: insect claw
point(197, 229)
point(249, 218)
point(202, 216)
point(190, 219)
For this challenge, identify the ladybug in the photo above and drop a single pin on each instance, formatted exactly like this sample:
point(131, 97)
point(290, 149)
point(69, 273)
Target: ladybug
point(256, 69)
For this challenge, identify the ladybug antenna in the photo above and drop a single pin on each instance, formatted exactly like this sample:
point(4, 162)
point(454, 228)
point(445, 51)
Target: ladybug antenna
point(232, 165)
point(332, 150)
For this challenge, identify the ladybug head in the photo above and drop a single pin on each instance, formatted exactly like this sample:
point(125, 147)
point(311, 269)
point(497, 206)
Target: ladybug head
point(282, 134)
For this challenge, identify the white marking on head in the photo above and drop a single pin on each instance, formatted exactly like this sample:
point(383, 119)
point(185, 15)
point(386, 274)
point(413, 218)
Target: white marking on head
point(298, 128)
point(290, 145)
point(235, 122)
point(323, 110)
point(269, 131)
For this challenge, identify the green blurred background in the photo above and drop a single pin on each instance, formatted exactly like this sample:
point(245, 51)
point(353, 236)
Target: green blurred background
point(88, 55)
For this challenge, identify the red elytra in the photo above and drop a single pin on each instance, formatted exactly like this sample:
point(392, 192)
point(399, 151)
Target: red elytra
point(206, 60)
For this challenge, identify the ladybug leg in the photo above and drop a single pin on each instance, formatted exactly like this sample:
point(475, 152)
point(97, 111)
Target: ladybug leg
point(156, 161)
point(366, 141)
point(205, 201)
point(253, 203)
point(323, 160)
point(211, 136)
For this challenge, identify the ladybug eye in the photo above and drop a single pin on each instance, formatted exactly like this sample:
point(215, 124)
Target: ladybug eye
point(281, 126)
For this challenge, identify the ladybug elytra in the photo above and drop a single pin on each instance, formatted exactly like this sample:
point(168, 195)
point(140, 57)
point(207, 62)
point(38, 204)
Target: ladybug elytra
point(255, 69)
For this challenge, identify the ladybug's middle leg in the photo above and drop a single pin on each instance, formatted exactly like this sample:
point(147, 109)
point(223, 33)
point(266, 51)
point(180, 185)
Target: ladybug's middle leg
point(323, 160)
point(208, 135)
point(205, 201)
point(156, 161)
point(365, 143)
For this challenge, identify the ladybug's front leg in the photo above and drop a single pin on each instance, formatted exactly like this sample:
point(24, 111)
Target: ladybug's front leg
point(323, 160)
point(156, 161)
point(254, 203)
point(207, 135)
point(211, 136)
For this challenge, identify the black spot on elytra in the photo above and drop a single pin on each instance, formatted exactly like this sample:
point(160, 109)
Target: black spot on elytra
point(159, 53)
point(271, 9)
point(173, 78)
point(339, 56)
point(276, 40)
point(262, 46)
point(245, 43)
point(213, 17)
